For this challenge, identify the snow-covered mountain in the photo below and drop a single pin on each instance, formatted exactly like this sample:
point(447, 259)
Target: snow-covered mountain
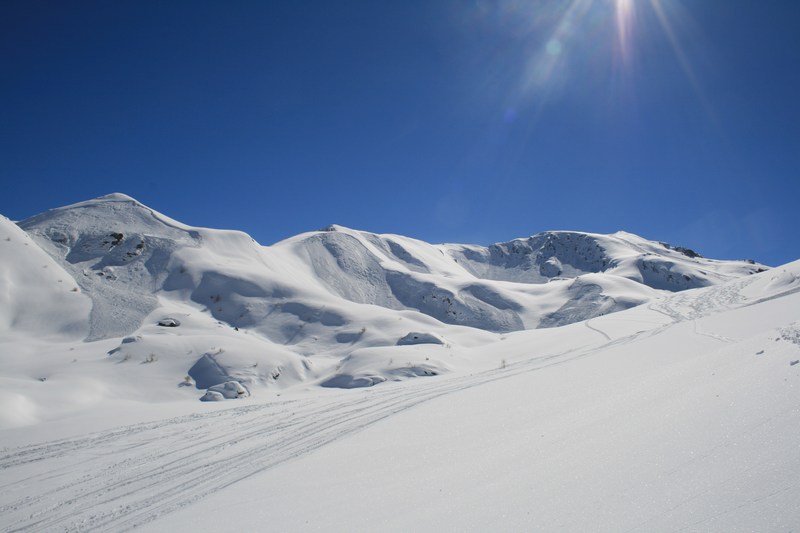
point(335, 307)
point(567, 381)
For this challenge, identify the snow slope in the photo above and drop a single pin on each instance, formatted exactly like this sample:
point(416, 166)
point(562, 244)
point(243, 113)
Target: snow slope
point(678, 415)
point(331, 308)
point(41, 308)
point(27, 275)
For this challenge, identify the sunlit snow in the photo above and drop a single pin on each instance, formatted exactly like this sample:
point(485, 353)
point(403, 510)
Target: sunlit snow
point(357, 382)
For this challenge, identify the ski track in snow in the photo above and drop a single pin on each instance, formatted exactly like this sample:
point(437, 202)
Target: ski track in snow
point(682, 306)
point(131, 475)
point(721, 338)
point(601, 332)
point(126, 477)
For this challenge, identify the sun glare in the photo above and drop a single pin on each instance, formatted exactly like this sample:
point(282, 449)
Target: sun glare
point(559, 35)
point(624, 16)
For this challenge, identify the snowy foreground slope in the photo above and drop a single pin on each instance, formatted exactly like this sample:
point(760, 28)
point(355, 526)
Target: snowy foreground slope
point(544, 397)
point(678, 415)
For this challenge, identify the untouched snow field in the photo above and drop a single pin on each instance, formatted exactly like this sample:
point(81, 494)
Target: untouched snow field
point(360, 407)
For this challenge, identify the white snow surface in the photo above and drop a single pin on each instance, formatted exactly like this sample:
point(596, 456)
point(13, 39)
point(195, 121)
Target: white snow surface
point(564, 382)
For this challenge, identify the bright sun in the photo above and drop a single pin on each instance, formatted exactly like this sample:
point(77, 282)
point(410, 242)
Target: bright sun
point(568, 22)
point(558, 37)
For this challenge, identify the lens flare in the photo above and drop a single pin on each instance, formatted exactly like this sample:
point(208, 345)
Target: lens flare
point(552, 41)
point(624, 16)
point(545, 66)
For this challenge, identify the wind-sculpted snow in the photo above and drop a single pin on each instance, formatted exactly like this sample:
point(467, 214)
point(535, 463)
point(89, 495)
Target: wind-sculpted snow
point(566, 254)
point(348, 269)
point(417, 337)
point(451, 308)
point(116, 250)
point(395, 251)
point(536, 259)
point(588, 301)
point(207, 372)
point(297, 311)
point(679, 414)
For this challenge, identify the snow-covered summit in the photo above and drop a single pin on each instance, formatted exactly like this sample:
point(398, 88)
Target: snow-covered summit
point(556, 254)
point(126, 255)
point(115, 209)
point(330, 306)
point(117, 251)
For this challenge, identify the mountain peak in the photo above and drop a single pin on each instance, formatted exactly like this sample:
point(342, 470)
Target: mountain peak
point(334, 227)
point(116, 197)
point(120, 250)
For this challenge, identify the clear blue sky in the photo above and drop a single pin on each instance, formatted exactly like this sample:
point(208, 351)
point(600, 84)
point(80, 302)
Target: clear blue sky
point(450, 121)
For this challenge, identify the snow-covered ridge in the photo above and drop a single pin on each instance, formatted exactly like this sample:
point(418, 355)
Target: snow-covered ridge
point(122, 251)
point(328, 307)
point(556, 254)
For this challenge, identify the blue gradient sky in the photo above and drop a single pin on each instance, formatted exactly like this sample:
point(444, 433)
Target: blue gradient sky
point(449, 121)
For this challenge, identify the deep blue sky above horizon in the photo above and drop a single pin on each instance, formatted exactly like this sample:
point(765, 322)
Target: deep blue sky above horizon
point(449, 121)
